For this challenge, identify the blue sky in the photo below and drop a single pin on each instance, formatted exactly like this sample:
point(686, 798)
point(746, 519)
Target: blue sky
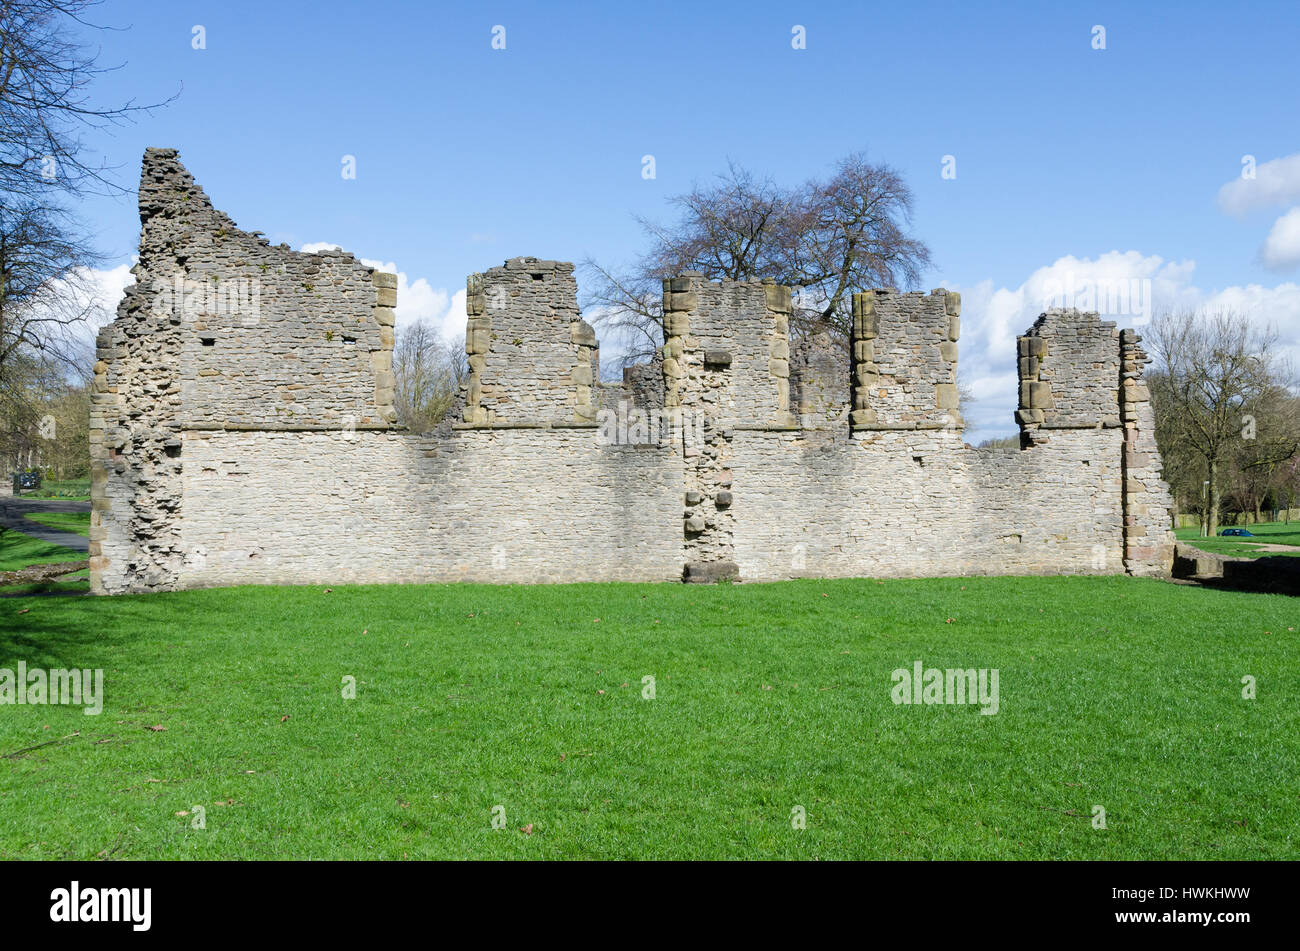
point(1068, 158)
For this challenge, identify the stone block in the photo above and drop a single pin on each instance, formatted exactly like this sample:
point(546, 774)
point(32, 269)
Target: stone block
point(675, 325)
point(582, 334)
point(946, 395)
point(778, 298)
point(710, 572)
point(866, 374)
point(681, 302)
point(866, 321)
point(477, 340)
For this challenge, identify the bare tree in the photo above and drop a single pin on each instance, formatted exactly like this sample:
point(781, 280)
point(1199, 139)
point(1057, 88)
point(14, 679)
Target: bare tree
point(1288, 484)
point(1271, 439)
point(45, 74)
point(429, 372)
point(825, 238)
point(46, 291)
point(1216, 378)
point(849, 234)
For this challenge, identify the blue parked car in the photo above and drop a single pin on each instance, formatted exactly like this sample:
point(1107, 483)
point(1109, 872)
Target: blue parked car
point(1238, 532)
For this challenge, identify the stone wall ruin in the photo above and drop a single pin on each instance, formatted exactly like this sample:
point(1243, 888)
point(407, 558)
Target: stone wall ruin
point(243, 432)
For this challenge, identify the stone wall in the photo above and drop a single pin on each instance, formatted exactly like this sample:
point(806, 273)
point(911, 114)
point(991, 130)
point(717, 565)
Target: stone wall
point(243, 431)
point(511, 505)
point(532, 358)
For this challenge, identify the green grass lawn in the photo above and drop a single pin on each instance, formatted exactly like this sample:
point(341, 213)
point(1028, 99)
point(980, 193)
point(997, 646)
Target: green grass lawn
point(1114, 691)
point(69, 490)
point(77, 522)
point(18, 551)
point(1272, 533)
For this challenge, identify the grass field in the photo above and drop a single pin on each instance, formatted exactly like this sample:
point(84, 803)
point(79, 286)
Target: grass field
point(18, 551)
point(72, 490)
point(1114, 691)
point(1271, 533)
point(76, 522)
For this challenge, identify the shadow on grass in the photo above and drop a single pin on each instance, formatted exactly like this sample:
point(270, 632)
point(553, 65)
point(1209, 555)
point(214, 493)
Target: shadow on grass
point(1278, 574)
point(82, 631)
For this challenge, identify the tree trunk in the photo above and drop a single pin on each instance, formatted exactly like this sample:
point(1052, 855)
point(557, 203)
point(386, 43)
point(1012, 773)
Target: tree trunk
point(1212, 515)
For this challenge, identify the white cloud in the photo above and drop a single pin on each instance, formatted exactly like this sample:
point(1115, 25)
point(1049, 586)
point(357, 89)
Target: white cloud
point(1276, 182)
point(1281, 250)
point(107, 290)
point(417, 300)
point(994, 317)
point(97, 293)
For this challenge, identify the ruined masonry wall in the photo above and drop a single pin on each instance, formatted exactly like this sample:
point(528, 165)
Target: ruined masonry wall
point(242, 431)
point(495, 506)
point(906, 504)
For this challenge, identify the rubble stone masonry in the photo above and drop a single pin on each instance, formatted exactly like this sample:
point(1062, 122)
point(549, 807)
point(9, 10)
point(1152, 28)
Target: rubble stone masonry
point(243, 432)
